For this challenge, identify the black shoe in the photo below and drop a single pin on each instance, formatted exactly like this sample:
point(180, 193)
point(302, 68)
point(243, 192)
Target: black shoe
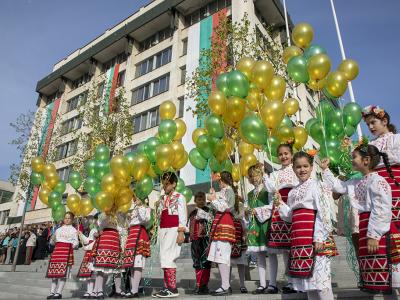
point(100, 295)
point(288, 289)
point(259, 290)
point(196, 291)
point(203, 290)
point(221, 292)
point(130, 295)
point(166, 293)
point(118, 295)
point(243, 290)
point(271, 289)
point(57, 296)
point(50, 296)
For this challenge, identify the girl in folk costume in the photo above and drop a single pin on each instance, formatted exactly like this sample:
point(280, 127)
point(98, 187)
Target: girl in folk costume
point(198, 220)
point(84, 273)
point(106, 252)
point(222, 231)
point(172, 212)
point(137, 246)
point(309, 262)
point(257, 224)
point(371, 196)
point(278, 236)
point(62, 258)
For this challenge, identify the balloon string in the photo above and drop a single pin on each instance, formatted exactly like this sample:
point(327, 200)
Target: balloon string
point(323, 124)
point(270, 159)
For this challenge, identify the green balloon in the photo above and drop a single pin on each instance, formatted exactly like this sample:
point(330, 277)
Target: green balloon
point(254, 129)
point(205, 146)
point(222, 83)
point(352, 114)
point(180, 186)
point(36, 178)
point(102, 153)
point(328, 95)
point(144, 187)
point(313, 50)
point(334, 127)
point(167, 131)
point(297, 69)
point(156, 169)
point(150, 148)
point(323, 110)
point(317, 132)
point(227, 165)
point(238, 84)
point(58, 213)
point(60, 187)
point(349, 130)
point(309, 123)
point(215, 165)
point(215, 126)
point(54, 198)
point(92, 186)
point(271, 146)
point(219, 147)
point(90, 167)
point(140, 148)
point(75, 179)
point(197, 160)
point(102, 168)
point(286, 122)
point(188, 194)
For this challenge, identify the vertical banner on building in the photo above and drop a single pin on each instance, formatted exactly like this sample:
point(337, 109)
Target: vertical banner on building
point(199, 38)
point(109, 89)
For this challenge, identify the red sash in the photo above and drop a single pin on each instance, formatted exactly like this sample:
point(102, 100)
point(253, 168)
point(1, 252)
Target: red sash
point(239, 245)
point(168, 221)
point(278, 235)
point(375, 269)
point(137, 243)
point(302, 254)
point(107, 252)
point(84, 271)
point(61, 258)
point(223, 228)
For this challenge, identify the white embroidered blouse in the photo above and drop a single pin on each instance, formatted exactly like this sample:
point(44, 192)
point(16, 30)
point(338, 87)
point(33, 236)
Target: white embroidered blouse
point(140, 215)
point(67, 234)
point(283, 178)
point(176, 205)
point(88, 241)
point(225, 200)
point(369, 194)
point(390, 144)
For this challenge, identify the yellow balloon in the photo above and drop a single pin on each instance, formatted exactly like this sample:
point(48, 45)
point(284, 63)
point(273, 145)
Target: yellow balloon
point(318, 66)
point(180, 129)
point(104, 201)
point(178, 149)
point(300, 137)
point(229, 144)
point(74, 203)
point(285, 134)
point(123, 181)
point(167, 110)
point(164, 156)
point(246, 162)
point(302, 35)
point(197, 133)
point(349, 68)
point(52, 179)
point(235, 111)
point(46, 185)
point(217, 102)
point(151, 173)
point(262, 74)
point(37, 164)
point(276, 88)
point(245, 65)
point(236, 172)
point(254, 99)
point(49, 168)
point(124, 208)
point(124, 197)
point(245, 148)
point(109, 184)
point(140, 166)
point(181, 161)
point(316, 85)
point(290, 52)
point(86, 207)
point(44, 195)
point(336, 83)
point(272, 113)
point(291, 106)
point(120, 166)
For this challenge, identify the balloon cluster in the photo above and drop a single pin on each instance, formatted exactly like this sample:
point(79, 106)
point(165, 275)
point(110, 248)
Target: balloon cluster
point(309, 63)
point(248, 112)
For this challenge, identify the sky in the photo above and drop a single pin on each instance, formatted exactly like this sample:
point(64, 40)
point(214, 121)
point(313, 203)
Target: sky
point(35, 34)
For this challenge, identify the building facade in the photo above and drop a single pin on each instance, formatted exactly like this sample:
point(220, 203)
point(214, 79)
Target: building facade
point(6, 204)
point(150, 54)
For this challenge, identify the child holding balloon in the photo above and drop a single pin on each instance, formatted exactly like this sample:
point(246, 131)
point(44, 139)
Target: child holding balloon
point(62, 258)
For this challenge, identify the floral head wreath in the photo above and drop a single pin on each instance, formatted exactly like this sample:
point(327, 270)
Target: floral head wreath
point(373, 110)
point(362, 144)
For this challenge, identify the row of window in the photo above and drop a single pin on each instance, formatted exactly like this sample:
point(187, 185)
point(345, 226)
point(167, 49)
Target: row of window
point(206, 10)
point(156, 38)
point(85, 78)
point(5, 196)
point(63, 173)
point(67, 149)
point(150, 89)
point(154, 62)
point(118, 59)
point(71, 125)
point(76, 101)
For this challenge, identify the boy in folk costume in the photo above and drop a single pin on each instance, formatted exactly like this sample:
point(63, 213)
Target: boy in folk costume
point(172, 212)
point(137, 246)
point(223, 231)
point(257, 226)
point(309, 262)
point(84, 273)
point(62, 258)
point(198, 220)
point(371, 196)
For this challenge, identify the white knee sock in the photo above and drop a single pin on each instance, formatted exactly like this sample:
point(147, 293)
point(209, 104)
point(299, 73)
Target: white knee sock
point(61, 284)
point(117, 281)
point(262, 263)
point(224, 270)
point(53, 287)
point(326, 294)
point(98, 286)
point(273, 268)
point(90, 286)
point(136, 276)
point(241, 270)
point(286, 260)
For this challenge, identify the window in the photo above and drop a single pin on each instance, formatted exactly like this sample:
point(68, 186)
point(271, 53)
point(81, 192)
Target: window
point(4, 217)
point(67, 149)
point(206, 10)
point(181, 109)
point(150, 89)
point(156, 38)
point(5, 196)
point(81, 80)
point(183, 74)
point(163, 57)
point(184, 46)
point(76, 101)
point(146, 120)
point(100, 89)
point(63, 173)
point(71, 125)
point(144, 67)
point(160, 59)
point(121, 78)
point(118, 59)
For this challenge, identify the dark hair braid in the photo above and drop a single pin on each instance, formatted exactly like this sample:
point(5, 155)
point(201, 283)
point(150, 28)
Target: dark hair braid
point(388, 167)
point(226, 177)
